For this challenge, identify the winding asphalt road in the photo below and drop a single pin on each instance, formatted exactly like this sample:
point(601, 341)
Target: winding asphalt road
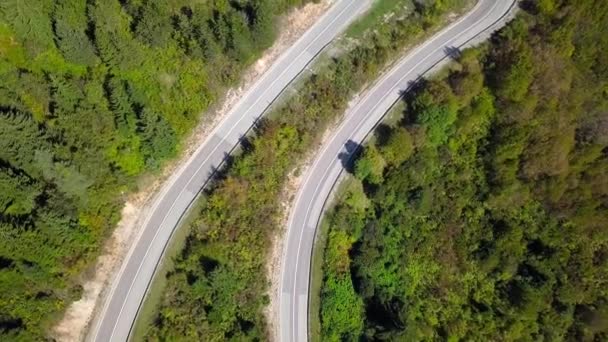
point(128, 289)
point(358, 122)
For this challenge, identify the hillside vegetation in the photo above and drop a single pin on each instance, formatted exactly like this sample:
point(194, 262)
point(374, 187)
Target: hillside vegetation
point(217, 289)
point(92, 94)
point(483, 214)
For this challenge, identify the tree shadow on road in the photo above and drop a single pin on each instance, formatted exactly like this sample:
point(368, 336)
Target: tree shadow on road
point(351, 152)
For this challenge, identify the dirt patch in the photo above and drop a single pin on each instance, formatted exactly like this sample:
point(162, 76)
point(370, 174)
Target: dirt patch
point(74, 325)
point(76, 318)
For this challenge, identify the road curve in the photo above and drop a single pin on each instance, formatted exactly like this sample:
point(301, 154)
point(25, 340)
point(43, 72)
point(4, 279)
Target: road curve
point(129, 286)
point(358, 122)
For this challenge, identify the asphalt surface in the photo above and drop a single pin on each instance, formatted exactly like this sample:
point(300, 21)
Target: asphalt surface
point(358, 122)
point(129, 286)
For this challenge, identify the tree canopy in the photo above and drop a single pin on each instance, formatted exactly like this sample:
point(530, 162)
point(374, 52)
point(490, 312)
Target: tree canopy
point(495, 226)
point(94, 93)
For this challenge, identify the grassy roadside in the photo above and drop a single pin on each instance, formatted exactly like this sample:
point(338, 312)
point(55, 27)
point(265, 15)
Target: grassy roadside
point(380, 10)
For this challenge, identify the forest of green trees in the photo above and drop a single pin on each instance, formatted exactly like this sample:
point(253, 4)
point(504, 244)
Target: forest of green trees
point(217, 289)
point(482, 215)
point(94, 93)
